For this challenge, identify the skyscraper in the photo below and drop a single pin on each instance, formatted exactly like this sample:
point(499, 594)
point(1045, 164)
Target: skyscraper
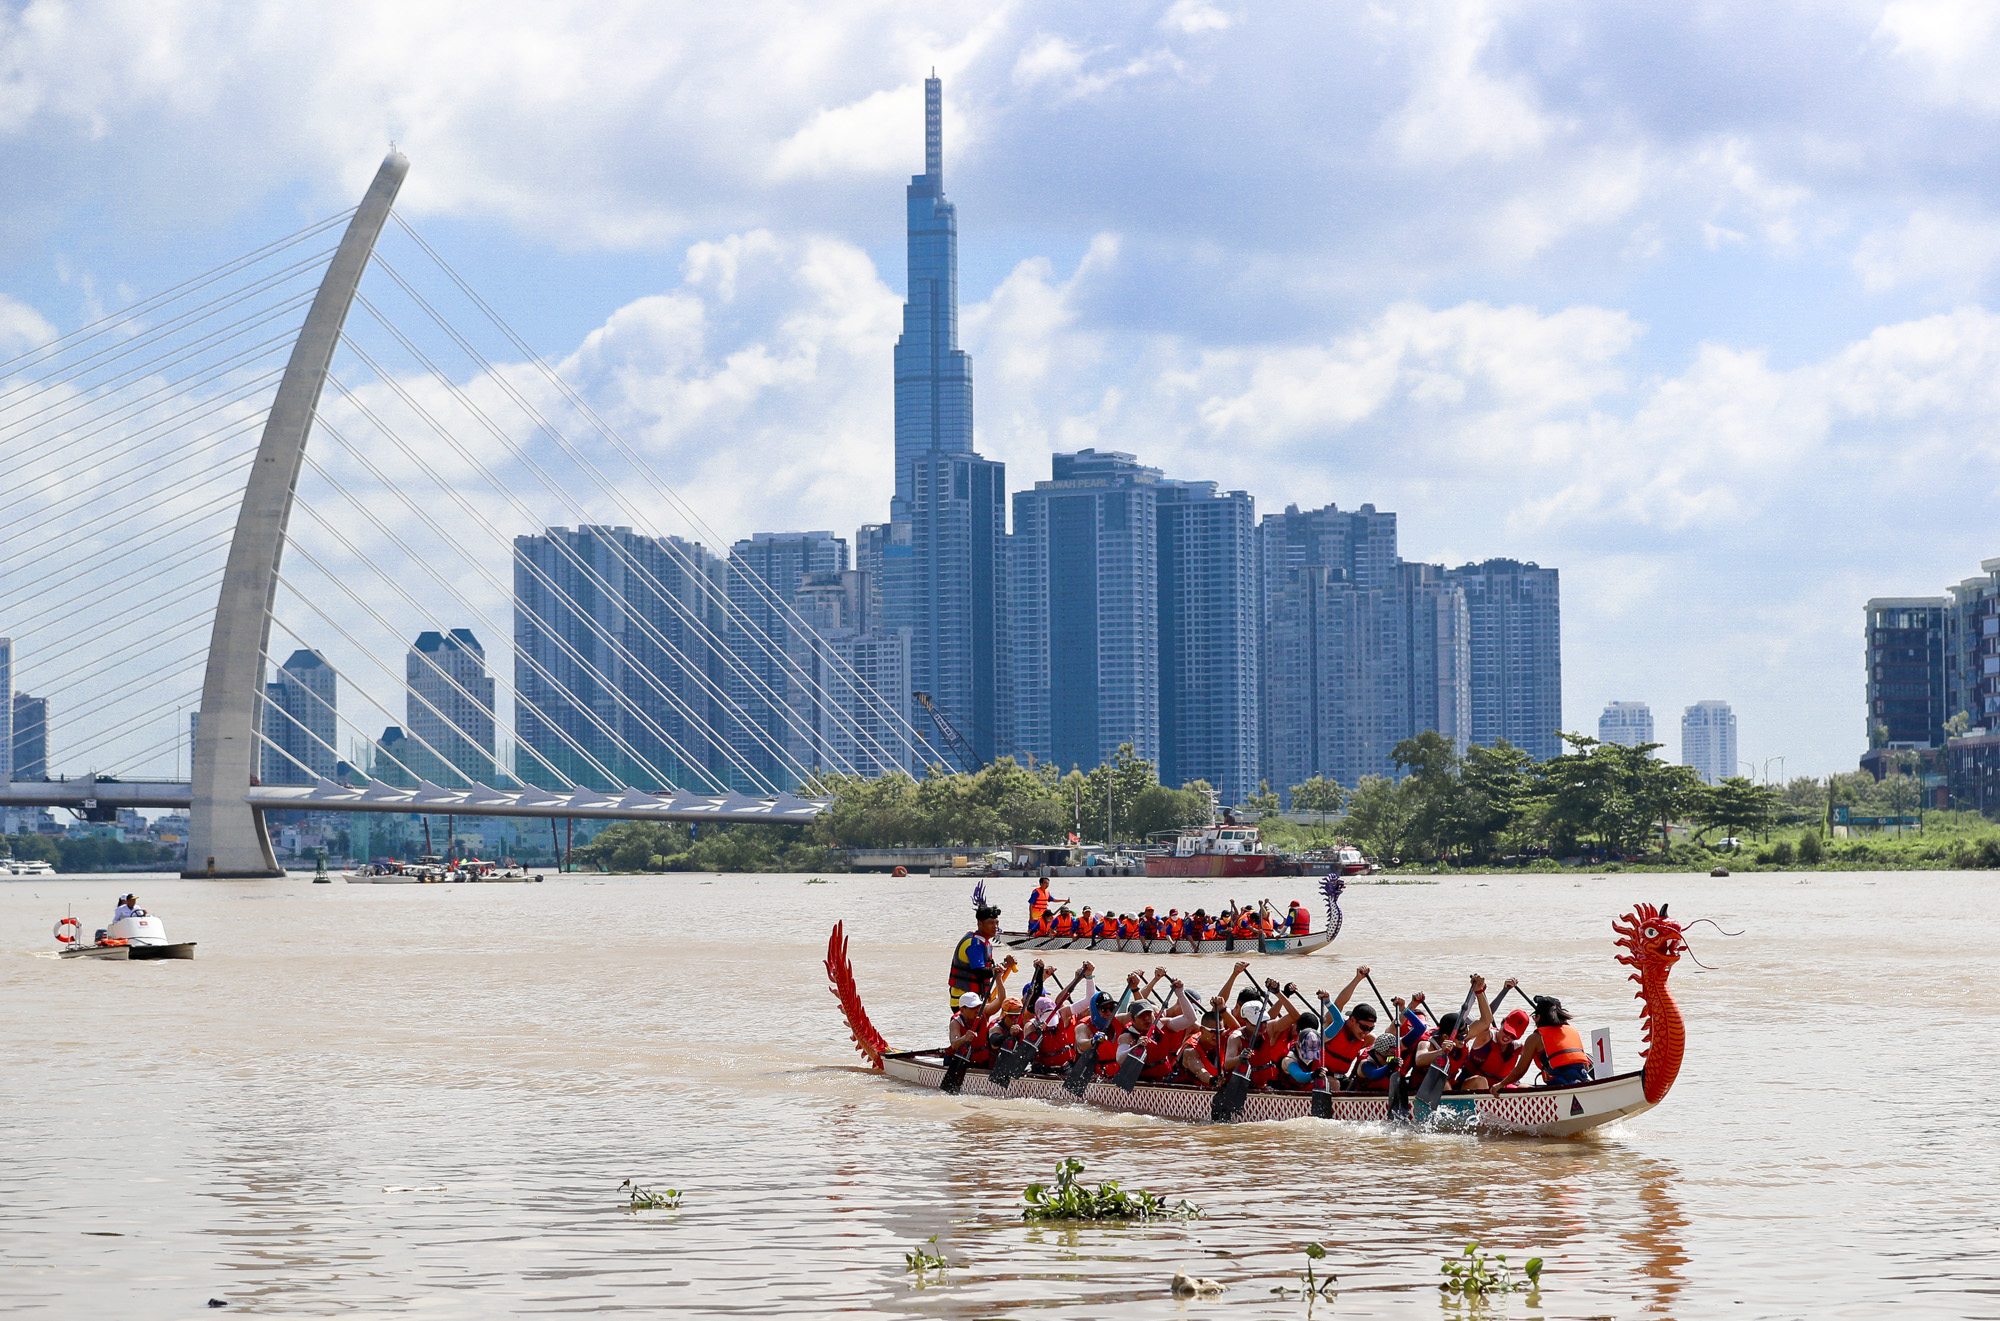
point(6, 709)
point(449, 710)
point(1341, 633)
point(615, 662)
point(1434, 635)
point(765, 573)
point(31, 737)
point(1516, 616)
point(1084, 610)
point(300, 721)
point(1208, 637)
point(1708, 740)
point(1627, 723)
point(950, 593)
point(933, 375)
point(850, 680)
point(1321, 648)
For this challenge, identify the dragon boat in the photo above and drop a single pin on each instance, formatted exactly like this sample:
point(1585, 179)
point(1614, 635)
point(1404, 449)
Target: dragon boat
point(1649, 943)
point(1331, 887)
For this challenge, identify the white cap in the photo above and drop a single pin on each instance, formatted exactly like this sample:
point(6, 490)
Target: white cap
point(1253, 1012)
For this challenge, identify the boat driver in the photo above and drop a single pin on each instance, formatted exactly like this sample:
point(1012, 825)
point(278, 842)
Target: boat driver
point(128, 906)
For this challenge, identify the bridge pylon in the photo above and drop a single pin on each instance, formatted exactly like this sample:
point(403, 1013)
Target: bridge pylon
point(226, 835)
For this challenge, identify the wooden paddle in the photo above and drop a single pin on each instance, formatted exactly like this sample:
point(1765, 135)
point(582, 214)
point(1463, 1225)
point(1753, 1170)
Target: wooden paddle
point(1014, 1062)
point(1234, 1094)
point(1431, 1089)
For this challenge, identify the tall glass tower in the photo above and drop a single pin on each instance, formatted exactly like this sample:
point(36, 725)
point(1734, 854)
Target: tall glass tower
point(950, 506)
point(933, 375)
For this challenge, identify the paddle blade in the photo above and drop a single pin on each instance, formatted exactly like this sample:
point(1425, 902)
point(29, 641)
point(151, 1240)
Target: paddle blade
point(1230, 1099)
point(1322, 1103)
point(954, 1075)
point(1399, 1099)
point(1431, 1089)
point(1128, 1071)
point(1076, 1081)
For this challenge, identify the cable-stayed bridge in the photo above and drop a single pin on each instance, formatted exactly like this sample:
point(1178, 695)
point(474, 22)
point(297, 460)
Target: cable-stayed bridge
point(159, 456)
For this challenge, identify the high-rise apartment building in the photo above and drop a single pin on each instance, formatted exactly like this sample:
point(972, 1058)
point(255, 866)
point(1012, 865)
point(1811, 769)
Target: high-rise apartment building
point(1627, 723)
point(449, 710)
point(1708, 741)
point(1208, 637)
point(1320, 655)
point(617, 660)
point(1435, 636)
point(1382, 647)
point(301, 724)
point(1516, 650)
point(850, 680)
point(31, 737)
point(950, 593)
point(765, 572)
point(1907, 670)
point(1972, 648)
point(6, 709)
point(1084, 611)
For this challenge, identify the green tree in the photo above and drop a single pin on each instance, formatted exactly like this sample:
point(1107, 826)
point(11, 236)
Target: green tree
point(1318, 794)
point(1958, 725)
point(1736, 806)
point(1499, 795)
point(1264, 802)
point(1432, 790)
point(1381, 815)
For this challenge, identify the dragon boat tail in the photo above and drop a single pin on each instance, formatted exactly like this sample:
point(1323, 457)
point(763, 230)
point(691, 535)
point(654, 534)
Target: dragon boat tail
point(1649, 943)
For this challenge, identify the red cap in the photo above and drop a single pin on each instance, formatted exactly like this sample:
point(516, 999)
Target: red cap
point(1517, 1022)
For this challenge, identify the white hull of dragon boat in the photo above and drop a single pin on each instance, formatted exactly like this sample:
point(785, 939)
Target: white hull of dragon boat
point(1535, 1111)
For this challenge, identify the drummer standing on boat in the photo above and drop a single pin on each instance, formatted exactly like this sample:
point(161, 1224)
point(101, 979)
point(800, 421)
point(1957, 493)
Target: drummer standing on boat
point(972, 967)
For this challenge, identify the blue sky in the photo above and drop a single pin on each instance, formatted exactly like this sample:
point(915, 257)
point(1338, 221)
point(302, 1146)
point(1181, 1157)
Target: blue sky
point(1691, 301)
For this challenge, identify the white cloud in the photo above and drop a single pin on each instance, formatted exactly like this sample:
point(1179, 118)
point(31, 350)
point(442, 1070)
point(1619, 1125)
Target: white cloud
point(22, 327)
point(1956, 42)
point(1953, 252)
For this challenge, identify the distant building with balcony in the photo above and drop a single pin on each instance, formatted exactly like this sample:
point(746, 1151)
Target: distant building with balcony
point(1708, 741)
point(1626, 723)
point(1905, 639)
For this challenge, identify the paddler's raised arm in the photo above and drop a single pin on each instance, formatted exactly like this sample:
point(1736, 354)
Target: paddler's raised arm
point(1347, 991)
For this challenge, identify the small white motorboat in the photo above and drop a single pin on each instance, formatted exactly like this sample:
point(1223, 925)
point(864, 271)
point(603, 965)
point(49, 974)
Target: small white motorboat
point(141, 936)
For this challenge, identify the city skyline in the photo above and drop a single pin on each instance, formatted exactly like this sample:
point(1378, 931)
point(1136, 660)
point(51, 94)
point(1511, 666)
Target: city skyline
point(1572, 323)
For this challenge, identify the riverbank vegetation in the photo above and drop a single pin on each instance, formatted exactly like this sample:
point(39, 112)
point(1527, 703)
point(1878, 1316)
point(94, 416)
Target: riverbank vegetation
point(87, 853)
point(1601, 805)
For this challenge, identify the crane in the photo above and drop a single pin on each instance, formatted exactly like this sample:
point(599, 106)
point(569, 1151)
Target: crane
point(954, 742)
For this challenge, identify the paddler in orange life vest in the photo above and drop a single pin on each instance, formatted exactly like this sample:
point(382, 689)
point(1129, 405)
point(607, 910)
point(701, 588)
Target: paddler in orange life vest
point(972, 967)
point(1345, 1037)
point(1487, 1056)
point(1555, 1045)
point(1039, 900)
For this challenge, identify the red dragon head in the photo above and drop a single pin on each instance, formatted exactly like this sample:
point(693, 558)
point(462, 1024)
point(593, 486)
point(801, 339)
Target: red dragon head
point(1652, 944)
point(1651, 940)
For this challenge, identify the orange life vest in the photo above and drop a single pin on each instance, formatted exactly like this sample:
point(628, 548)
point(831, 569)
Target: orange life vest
point(1561, 1046)
point(1129, 928)
point(1065, 924)
point(1108, 928)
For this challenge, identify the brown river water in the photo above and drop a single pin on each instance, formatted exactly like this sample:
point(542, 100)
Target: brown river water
point(421, 1100)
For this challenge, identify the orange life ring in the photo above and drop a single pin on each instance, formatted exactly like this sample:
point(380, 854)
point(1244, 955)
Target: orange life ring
point(67, 937)
point(900, 871)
